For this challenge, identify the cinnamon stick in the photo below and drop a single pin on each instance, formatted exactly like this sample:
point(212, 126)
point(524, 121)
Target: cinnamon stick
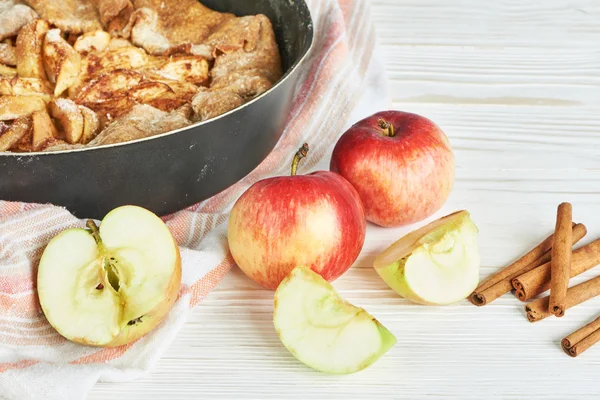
point(560, 263)
point(501, 283)
point(539, 309)
point(582, 339)
point(482, 297)
point(537, 281)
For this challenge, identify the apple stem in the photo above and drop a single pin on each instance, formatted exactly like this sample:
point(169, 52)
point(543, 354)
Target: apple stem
point(93, 230)
point(300, 154)
point(387, 128)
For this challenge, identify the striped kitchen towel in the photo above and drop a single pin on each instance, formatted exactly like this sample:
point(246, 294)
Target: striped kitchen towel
point(343, 81)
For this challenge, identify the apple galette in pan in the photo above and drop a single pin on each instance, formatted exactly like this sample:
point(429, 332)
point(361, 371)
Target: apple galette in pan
point(82, 73)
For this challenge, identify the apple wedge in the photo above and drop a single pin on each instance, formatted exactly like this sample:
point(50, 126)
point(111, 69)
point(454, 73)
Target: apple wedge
point(28, 50)
point(13, 107)
point(111, 285)
point(92, 41)
point(44, 131)
point(69, 117)
point(91, 124)
point(324, 331)
point(17, 131)
point(62, 63)
point(17, 86)
point(437, 264)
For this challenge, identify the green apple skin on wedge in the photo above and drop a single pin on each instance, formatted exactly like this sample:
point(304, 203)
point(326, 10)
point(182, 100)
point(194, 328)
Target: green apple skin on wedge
point(324, 331)
point(111, 285)
point(437, 264)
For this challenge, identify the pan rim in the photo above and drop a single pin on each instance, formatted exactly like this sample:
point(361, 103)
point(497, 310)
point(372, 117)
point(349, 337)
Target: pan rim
point(293, 68)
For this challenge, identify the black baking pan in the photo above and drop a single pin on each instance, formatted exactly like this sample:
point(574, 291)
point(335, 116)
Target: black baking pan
point(172, 171)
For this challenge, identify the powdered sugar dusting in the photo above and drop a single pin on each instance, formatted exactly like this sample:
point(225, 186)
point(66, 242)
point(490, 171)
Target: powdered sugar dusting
point(53, 36)
point(68, 106)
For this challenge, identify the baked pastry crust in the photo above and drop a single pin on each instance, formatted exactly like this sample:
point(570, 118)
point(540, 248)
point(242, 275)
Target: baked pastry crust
point(71, 16)
point(14, 16)
point(183, 21)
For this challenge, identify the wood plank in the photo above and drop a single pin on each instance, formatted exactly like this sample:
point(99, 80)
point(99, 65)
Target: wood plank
point(500, 23)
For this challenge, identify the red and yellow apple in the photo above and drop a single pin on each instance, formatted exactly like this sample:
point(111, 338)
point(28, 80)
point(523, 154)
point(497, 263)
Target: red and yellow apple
point(316, 220)
point(401, 165)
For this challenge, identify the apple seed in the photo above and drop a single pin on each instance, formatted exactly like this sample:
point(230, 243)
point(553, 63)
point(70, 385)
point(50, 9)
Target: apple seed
point(136, 321)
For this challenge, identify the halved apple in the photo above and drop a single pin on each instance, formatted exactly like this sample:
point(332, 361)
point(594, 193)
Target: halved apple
point(324, 331)
point(437, 264)
point(111, 285)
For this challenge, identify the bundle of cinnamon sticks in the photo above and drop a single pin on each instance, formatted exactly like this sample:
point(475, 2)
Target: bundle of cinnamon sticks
point(550, 266)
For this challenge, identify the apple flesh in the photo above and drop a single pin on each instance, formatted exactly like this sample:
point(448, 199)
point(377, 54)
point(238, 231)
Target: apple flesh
point(324, 331)
point(315, 220)
point(437, 264)
point(111, 285)
point(401, 164)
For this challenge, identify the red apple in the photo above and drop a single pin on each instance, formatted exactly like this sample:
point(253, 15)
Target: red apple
point(400, 163)
point(314, 220)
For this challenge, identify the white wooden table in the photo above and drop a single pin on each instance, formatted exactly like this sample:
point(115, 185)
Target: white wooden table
point(516, 86)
